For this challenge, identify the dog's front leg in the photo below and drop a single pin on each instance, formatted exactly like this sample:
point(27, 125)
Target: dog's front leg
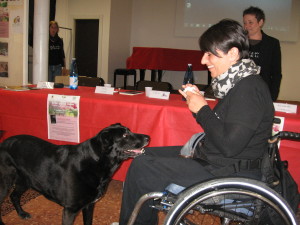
point(87, 213)
point(68, 216)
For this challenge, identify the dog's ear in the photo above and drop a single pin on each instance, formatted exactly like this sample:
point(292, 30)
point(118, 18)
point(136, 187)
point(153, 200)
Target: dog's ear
point(116, 125)
point(105, 138)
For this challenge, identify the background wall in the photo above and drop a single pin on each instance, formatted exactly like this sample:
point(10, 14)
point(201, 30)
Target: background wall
point(157, 30)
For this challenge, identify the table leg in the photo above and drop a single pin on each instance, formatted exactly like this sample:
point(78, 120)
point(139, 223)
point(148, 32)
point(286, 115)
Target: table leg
point(159, 75)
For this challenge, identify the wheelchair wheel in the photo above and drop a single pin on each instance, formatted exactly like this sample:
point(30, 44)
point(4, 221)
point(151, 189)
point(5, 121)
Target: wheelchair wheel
point(230, 201)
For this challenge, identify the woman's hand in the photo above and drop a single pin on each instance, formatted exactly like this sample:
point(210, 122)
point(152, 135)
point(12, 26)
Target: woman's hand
point(195, 100)
point(195, 89)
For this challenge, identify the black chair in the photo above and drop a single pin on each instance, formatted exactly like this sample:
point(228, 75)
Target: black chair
point(125, 73)
point(158, 86)
point(90, 81)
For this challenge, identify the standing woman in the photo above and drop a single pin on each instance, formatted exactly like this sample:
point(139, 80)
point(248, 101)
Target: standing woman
point(56, 52)
point(264, 49)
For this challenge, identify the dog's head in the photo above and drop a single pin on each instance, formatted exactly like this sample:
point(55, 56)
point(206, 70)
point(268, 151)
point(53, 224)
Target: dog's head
point(119, 142)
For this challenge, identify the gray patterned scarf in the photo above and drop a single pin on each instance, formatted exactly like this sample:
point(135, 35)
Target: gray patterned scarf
point(223, 83)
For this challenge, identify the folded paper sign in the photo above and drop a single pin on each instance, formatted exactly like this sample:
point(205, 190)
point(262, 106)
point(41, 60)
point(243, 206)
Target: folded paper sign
point(284, 107)
point(104, 90)
point(45, 85)
point(159, 94)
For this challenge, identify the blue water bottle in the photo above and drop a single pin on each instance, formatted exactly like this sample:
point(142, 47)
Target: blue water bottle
point(188, 77)
point(73, 75)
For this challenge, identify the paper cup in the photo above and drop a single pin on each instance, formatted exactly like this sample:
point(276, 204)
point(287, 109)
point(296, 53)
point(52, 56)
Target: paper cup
point(107, 85)
point(148, 90)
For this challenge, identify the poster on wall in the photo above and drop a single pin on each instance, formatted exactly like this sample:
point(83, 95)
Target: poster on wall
point(4, 20)
point(63, 117)
point(3, 69)
point(3, 48)
point(17, 21)
point(12, 2)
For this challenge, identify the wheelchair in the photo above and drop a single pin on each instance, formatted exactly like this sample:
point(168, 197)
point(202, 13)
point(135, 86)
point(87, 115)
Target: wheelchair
point(224, 201)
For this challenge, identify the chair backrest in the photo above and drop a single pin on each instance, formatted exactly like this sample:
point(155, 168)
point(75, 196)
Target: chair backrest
point(62, 79)
point(90, 81)
point(158, 86)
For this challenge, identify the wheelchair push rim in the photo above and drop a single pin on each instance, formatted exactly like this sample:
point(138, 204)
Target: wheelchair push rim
point(205, 190)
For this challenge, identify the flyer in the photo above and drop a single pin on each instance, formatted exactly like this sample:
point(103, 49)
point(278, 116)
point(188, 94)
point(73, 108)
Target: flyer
point(63, 117)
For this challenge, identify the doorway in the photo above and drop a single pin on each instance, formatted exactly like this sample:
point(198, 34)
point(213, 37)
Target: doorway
point(86, 46)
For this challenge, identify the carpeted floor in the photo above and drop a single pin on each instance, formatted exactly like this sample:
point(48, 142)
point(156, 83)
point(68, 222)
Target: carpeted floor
point(45, 212)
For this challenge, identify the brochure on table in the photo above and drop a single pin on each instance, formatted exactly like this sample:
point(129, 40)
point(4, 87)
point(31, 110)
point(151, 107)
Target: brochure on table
point(63, 117)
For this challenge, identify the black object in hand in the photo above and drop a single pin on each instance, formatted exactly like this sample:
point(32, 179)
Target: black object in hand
point(58, 85)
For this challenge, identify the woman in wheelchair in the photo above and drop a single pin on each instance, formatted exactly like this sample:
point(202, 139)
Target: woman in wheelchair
point(236, 130)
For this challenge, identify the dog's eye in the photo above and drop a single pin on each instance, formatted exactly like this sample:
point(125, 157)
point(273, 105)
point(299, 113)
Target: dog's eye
point(125, 135)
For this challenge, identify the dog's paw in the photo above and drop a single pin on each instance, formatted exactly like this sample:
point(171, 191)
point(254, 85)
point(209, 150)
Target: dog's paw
point(24, 215)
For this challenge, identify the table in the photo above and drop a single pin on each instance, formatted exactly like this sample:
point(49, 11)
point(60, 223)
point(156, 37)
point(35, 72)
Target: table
point(164, 120)
point(153, 59)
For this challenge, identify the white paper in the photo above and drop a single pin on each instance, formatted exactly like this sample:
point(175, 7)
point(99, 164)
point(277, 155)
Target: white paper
point(278, 126)
point(104, 90)
point(284, 107)
point(63, 117)
point(159, 94)
point(45, 85)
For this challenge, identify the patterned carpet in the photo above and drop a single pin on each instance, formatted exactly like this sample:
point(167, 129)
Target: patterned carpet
point(45, 212)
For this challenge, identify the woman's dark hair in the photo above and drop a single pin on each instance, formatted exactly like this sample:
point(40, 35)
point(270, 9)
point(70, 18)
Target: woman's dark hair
point(223, 36)
point(257, 12)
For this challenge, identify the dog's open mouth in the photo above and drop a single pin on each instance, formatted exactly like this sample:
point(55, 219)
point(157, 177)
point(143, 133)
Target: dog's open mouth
point(136, 151)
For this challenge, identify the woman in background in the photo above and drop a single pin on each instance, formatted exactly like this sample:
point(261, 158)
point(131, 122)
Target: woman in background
point(56, 52)
point(264, 50)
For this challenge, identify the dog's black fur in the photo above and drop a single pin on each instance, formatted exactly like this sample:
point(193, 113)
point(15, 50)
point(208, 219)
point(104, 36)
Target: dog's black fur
point(74, 176)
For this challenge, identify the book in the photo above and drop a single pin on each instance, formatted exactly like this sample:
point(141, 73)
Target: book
point(130, 92)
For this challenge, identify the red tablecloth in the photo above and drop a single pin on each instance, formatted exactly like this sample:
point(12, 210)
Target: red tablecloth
point(164, 59)
point(168, 122)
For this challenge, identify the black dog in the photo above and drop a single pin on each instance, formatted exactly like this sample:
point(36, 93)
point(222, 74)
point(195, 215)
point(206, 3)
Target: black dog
point(74, 176)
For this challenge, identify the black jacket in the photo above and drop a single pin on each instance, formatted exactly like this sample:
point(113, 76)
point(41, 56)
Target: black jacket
point(56, 51)
point(240, 124)
point(267, 54)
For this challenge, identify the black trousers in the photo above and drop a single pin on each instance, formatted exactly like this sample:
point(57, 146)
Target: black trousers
point(152, 172)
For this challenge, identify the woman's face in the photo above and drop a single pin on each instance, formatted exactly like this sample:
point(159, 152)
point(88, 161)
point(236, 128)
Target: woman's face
point(252, 25)
point(217, 64)
point(53, 29)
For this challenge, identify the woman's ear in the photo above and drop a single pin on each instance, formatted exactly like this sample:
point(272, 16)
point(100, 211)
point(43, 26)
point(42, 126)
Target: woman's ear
point(261, 23)
point(234, 54)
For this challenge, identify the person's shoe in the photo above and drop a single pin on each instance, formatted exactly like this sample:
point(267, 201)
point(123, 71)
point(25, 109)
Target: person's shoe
point(114, 223)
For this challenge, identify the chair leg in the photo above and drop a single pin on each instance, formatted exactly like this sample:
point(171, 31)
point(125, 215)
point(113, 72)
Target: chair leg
point(115, 76)
point(125, 82)
point(134, 79)
point(153, 75)
point(142, 74)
